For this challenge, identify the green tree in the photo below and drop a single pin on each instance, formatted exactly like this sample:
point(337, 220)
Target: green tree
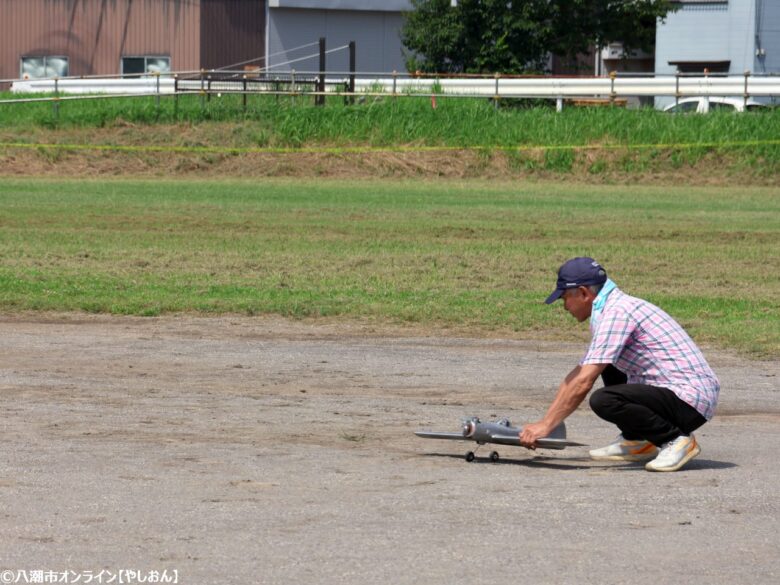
point(485, 36)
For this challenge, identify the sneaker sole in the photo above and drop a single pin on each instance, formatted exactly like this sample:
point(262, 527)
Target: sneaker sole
point(693, 453)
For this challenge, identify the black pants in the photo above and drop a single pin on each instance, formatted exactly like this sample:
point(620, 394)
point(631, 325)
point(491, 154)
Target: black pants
point(643, 412)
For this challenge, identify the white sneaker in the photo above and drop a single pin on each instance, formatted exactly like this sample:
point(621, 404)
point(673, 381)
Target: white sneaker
point(624, 450)
point(675, 454)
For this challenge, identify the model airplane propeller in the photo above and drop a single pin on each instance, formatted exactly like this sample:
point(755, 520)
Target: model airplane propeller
point(501, 432)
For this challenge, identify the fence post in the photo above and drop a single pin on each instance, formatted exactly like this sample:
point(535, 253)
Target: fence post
point(677, 88)
point(352, 69)
point(612, 76)
point(208, 90)
point(744, 104)
point(157, 75)
point(176, 96)
point(244, 95)
point(319, 97)
point(292, 84)
point(559, 105)
point(495, 99)
point(202, 89)
point(395, 83)
point(56, 103)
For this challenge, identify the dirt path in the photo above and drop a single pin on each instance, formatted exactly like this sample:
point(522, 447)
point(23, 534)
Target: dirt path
point(257, 450)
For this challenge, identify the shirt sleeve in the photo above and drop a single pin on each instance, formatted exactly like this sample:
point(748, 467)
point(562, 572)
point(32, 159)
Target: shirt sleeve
point(612, 335)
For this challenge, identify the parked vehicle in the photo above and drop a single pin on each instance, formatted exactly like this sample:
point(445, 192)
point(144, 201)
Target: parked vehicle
point(702, 105)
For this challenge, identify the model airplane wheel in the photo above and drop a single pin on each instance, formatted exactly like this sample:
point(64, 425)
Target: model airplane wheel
point(470, 456)
point(494, 456)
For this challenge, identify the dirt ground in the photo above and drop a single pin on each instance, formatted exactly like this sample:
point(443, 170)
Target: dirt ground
point(259, 450)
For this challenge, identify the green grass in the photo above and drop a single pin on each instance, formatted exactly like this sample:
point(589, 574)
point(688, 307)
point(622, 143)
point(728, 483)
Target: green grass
point(291, 122)
point(472, 254)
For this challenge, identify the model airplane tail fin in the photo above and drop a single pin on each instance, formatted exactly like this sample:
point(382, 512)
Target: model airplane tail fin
point(558, 432)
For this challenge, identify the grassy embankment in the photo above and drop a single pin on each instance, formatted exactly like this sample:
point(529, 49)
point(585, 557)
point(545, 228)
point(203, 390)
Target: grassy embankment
point(534, 139)
point(471, 254)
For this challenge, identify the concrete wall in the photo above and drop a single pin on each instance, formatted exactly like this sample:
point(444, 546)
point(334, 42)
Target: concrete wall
point(376, 34)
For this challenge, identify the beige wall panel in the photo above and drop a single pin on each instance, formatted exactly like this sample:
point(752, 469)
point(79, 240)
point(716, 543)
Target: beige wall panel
point(95, 34)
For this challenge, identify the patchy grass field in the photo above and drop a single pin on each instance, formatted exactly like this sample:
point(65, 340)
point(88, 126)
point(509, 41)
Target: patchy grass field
point(472, 254)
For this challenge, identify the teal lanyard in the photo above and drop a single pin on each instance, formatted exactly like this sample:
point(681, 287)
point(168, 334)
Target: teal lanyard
point(599, 302)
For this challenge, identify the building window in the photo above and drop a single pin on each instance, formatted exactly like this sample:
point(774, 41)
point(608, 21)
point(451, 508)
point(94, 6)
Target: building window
point(145, 65)
point(43, 67)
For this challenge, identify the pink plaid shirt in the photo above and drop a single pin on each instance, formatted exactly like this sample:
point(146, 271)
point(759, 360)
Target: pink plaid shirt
point(650, 347)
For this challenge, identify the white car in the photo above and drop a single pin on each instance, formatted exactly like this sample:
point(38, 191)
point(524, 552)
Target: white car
point(702, 105)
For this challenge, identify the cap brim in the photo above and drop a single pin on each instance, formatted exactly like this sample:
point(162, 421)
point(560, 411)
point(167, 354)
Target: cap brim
point(554, 296)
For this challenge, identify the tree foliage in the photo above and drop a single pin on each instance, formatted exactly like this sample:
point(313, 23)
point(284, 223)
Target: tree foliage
point(481, 36)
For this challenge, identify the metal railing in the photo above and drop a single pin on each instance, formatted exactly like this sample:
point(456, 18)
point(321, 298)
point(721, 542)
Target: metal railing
point(339, 83)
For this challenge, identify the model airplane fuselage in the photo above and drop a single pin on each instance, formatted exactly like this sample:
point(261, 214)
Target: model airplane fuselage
point(500, 432)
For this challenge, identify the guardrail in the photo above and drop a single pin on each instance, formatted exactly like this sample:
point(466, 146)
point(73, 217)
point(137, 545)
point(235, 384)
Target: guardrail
point(613, 86)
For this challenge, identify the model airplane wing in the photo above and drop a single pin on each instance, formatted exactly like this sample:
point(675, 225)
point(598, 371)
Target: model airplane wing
point(546, 443)
point(435, 435)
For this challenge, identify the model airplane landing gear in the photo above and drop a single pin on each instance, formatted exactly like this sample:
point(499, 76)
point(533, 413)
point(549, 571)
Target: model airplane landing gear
point(471, 455)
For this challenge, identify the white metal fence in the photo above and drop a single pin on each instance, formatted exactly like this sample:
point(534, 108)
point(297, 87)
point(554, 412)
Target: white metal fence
point(338, 83)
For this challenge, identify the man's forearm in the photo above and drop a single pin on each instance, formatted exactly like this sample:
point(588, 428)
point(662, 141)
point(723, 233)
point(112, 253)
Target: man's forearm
point(570, 395)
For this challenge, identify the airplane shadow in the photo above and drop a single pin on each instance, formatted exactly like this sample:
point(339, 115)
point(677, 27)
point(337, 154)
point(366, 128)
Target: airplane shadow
point(580, 463)
point(539, 461)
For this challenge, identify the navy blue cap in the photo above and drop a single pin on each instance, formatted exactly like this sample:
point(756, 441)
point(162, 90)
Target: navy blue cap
point(577, 272)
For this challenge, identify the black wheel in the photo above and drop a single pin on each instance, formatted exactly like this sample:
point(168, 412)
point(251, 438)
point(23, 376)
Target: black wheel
point(470, 456)
point(494, 456)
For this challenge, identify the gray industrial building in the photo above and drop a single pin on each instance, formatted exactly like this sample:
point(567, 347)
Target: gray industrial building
point(722, 36)
point(374, 25)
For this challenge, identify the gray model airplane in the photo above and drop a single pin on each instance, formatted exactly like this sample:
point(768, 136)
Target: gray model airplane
point(501, 432)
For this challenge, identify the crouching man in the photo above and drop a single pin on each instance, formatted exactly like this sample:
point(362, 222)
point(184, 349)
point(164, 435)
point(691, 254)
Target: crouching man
point(658, 386)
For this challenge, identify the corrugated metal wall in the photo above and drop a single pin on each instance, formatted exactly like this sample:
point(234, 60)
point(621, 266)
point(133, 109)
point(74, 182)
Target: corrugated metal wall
point(376, 34)
point(245, 21)
point(768, 15)
point(96, 34)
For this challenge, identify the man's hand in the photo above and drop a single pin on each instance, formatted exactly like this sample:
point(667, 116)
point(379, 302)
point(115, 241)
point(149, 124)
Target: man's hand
point(570, 393)
point(532, 433)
